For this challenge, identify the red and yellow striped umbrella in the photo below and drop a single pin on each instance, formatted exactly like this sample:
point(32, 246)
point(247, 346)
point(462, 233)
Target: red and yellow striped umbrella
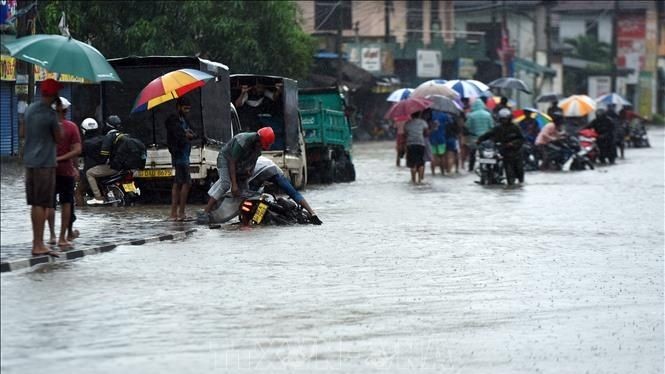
point(577, 106)
point(168, 87)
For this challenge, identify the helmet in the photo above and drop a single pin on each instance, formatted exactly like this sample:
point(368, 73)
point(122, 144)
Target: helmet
point(113, 122)
point(89, 124)
point(505, 113)
point(266, 136)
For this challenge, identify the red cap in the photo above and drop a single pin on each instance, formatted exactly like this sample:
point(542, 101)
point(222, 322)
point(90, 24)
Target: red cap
point(50, 87)
point(267, 137)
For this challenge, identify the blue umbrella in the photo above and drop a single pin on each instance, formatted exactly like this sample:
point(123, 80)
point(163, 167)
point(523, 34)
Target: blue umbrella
point(612, 98)
point(399, 95)
point(467, 88)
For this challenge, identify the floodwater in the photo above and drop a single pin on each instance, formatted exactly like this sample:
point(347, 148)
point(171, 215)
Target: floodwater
point(564, 275)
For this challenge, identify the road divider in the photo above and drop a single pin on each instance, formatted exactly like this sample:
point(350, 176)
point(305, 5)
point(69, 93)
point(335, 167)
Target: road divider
point(14, 265)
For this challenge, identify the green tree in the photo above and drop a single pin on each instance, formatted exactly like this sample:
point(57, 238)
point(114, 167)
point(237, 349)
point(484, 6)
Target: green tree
point(259, 37)
point(589, 48)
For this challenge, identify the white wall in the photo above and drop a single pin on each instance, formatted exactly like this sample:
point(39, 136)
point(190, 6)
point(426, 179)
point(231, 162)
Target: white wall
point(572, 26)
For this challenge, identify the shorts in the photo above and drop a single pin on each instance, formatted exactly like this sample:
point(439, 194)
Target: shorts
point(182, 175)
point(64, 188)
point(415, 154)
point(40, 186)
point(451, 145)
point(438, 149)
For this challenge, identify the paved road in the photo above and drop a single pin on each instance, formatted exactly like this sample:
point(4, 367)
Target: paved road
point(564, 275)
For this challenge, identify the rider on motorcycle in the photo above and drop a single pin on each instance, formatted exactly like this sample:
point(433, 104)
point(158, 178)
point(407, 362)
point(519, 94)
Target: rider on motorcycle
point(550, 133)
point(114, 124)
point(510, 139)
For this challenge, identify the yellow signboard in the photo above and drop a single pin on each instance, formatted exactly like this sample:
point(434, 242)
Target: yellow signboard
point(7, 68)
point(43, 74)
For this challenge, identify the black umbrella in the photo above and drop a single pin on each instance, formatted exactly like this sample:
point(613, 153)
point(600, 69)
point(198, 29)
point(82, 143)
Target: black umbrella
point(548, 98)
point(444, 104)
point(512, 83)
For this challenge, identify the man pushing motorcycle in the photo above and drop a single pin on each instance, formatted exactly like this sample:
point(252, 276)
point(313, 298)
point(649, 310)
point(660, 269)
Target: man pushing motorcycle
point(235, 164)
point(510, 139)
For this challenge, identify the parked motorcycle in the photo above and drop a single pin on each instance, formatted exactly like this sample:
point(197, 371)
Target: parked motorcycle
point(637, 135)
point(490, 163)
point(119, 189)
point(260, 208)
point(567, 154)
point(530, 157)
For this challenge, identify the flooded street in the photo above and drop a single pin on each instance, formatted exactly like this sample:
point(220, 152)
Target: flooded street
point(564, 275)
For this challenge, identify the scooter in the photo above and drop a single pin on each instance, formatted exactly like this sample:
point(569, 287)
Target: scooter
point(637, 135)
point(530, 157)
point(490, 163)
point(587, 138)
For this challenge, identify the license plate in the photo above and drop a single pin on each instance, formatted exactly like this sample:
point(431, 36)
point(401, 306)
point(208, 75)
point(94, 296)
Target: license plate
point(155, 173)
point(487, 161)
point(260, 212)
point(129, 187)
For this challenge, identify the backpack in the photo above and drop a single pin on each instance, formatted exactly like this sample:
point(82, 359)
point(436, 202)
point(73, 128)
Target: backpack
point(128, 153)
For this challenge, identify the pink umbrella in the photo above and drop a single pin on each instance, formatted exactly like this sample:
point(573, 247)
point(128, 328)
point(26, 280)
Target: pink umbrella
point(402, 110)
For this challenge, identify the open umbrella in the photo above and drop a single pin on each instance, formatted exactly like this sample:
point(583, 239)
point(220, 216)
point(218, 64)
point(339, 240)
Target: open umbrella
point(434, 87)
point(548, 98)
point(613, 98)
point(399, 95)
point(468, 88)
point(512, 83)
point(61, 54)
point(577, 106)
point(168, 87)
point(402, 110)
point(444, 104)
point(541, 118)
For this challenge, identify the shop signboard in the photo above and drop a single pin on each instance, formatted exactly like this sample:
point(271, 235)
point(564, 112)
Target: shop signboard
point(370, 59)
point(428, 63)
point(631, 46)
point(466, 68)
point(8, 68)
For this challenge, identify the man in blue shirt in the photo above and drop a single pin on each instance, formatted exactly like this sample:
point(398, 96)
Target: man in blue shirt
point(178, 137)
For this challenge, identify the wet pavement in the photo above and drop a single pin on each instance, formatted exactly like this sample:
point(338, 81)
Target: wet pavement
point(564, 275)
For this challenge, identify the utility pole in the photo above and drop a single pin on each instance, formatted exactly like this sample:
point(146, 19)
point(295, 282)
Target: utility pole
point(613, 52)
point(386, 20)
point(338, 48)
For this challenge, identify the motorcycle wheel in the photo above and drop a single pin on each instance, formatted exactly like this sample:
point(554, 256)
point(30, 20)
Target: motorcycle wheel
point(118, 196)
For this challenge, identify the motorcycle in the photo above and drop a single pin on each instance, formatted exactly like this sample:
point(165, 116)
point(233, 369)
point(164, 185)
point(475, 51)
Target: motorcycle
point(567, 154)
point(260, 208)
point(119, 189)
point(587, 138)
point(530, 157)
point(490, 163)
point(637, 135)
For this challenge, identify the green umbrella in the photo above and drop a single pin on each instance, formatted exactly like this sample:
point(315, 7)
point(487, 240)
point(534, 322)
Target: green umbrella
point(61, 54)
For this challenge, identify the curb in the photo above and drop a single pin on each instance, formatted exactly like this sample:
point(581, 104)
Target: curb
point(78, 253)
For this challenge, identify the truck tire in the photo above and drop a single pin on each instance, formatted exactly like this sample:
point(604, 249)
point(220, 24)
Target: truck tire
point(328, 172)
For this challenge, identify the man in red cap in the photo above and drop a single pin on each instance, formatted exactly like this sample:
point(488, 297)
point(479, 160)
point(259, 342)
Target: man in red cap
point(42, 133)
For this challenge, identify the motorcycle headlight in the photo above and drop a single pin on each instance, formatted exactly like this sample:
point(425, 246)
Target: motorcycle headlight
point(488, 154)
point(588, 148)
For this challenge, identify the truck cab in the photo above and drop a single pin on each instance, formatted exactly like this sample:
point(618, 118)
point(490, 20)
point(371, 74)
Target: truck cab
point(272, 101)
point(328, 136)
point(212, 118)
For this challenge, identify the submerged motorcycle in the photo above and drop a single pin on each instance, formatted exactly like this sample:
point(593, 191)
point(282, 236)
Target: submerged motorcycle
point(637, 135)
point(490, 163)
point(260, 208)
point(119, 189)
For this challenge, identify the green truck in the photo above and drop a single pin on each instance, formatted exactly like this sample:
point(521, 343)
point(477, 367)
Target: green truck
point(328, 137)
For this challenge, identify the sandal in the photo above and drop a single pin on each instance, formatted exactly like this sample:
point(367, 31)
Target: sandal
point(49, 253)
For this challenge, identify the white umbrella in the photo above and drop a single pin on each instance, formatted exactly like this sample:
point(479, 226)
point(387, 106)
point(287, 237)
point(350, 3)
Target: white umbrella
point(399, 95)
point(434, 87)
point(613, 98)
point(468, 88)
point(577, 106)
